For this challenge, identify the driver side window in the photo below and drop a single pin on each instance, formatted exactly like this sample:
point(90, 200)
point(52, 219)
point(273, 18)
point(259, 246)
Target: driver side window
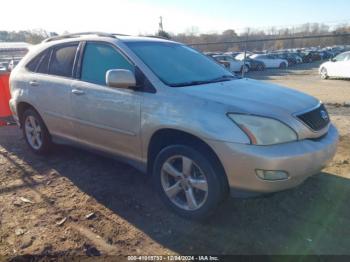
point(98, 59)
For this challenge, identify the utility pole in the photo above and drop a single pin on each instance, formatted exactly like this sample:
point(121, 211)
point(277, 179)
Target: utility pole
point(161, 24)
point(245, 53)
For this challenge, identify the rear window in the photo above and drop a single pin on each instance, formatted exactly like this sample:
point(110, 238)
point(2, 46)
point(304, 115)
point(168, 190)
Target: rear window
point(62, 60)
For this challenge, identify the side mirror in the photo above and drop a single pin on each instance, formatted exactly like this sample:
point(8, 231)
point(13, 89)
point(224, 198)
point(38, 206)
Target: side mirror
point(333, 60)
point(120, 78)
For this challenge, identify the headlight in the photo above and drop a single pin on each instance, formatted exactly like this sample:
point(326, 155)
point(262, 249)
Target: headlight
point(264, 131)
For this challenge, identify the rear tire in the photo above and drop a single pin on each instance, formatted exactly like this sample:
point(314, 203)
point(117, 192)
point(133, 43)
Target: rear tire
point(188, 181)
point(35, 132)
point(283, 65)
point(261, 67)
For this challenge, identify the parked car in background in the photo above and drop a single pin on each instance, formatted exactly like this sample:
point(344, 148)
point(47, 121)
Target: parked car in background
point(326, 54)
point(255, 65)
point(225, 64)
point(12, 64)
point(233, 54)
point(197, 129)
point(337, 67)
point(3, 67)
point(235, 65)
point(286, 56)
point(212, 53)
point(298, 59)
point(270, 61)
point(310, 56)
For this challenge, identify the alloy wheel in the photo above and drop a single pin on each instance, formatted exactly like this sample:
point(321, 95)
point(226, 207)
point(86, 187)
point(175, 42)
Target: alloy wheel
point(184, 183)
point(324, 74)
point(33, 132)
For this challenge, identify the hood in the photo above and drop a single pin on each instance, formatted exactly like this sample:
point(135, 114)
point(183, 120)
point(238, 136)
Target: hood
point(253, 97)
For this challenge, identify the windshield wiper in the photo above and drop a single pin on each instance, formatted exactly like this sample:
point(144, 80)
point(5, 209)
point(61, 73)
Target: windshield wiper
point(223, 78)
point(191, 83)
point(215, 80)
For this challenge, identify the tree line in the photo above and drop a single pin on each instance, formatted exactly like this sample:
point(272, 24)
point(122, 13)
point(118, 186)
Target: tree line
point(193, 37)
point(28, 36)
point(309, 29)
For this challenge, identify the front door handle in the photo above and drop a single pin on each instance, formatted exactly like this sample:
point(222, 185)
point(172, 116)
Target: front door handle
point(78, 91)
point(33, 83)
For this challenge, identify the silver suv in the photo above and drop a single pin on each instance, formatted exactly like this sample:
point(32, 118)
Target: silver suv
point(170, 111)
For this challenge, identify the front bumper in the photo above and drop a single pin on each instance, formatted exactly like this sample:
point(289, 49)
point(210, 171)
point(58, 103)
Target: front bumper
point(299, 159)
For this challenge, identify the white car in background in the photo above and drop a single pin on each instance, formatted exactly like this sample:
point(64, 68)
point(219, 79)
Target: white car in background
point(271, 61)
point(234, 65)
point(339, 66)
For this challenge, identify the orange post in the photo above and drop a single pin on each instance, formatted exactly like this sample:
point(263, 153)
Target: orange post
point(4, 95)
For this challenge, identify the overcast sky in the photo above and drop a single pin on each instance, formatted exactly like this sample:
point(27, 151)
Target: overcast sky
point(142, 16)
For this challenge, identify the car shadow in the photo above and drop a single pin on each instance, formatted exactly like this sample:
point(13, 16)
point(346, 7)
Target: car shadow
point(311, 219)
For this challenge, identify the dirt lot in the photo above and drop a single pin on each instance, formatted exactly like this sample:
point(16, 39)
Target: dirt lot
point(305, 78)
point(45, 202)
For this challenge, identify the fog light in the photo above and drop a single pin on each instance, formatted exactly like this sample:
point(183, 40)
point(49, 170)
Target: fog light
point(271, 175)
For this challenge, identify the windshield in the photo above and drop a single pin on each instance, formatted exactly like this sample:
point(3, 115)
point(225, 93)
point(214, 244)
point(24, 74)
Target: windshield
point(178, 65)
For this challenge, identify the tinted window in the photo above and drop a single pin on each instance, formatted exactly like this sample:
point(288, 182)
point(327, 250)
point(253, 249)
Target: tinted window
point(98, 59)
point(43, 66)
point(33, 64)
point(62, 60)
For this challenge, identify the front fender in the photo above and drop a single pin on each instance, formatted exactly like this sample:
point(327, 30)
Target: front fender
point(205, 120)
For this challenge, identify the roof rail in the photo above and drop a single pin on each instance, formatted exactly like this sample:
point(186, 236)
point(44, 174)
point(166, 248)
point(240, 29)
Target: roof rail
point(157, 36)
point(60, 37)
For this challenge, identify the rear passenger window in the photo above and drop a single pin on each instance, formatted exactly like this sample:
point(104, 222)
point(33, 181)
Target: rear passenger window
point(43, 66)
point(33, 64)
point(98, 59)
point(62, 60)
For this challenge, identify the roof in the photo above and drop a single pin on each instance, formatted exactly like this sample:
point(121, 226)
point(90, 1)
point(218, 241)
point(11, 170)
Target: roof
point(94, 35)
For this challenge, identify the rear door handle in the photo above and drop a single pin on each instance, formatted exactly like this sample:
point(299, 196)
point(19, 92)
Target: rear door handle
point(78, 91)
point(33, 83)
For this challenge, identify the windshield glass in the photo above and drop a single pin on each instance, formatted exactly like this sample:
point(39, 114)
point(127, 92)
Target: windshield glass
point(178, 65)
point(340, 57)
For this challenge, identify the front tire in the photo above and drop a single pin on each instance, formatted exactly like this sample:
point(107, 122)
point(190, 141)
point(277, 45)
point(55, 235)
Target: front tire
point(35, 132)
point(188, 182)
point(245, 69)
point(324, 74)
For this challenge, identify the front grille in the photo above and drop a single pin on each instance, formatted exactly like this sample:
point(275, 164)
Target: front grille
point(316, 119)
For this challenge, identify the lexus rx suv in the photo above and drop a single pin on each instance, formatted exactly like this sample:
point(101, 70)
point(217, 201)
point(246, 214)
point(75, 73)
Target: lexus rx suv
point(201, 132)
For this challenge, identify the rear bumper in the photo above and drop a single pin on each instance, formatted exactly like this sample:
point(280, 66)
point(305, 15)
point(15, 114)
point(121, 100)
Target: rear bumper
point(13, 109)
point(299, 159)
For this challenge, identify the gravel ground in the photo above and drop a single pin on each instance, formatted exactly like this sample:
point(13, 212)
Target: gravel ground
point(73, 202)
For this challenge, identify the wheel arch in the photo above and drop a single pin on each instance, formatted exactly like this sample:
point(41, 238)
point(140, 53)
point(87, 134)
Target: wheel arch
point(168, 136)
point(22, 107)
